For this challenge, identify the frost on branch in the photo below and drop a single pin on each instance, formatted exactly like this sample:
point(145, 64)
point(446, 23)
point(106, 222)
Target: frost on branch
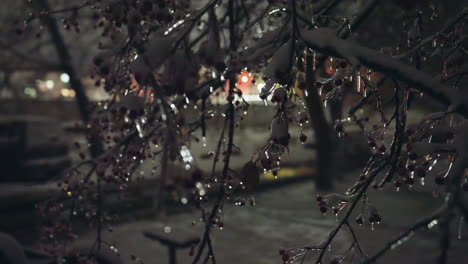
point(325, 40)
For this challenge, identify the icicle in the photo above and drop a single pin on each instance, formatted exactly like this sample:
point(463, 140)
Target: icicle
point(358, 81)
point(432, 165)
point(139, 129)
point(444, 72)
point(460, 227)
point(174, 108)
point(430, 137)
point(448, 169)
point(314, 60)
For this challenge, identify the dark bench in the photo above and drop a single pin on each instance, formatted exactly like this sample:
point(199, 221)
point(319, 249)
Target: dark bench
point(172, 242)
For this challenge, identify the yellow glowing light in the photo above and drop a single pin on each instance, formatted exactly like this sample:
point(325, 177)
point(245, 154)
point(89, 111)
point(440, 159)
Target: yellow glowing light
point(72, 93)
point(65, 92)
point(288, 172)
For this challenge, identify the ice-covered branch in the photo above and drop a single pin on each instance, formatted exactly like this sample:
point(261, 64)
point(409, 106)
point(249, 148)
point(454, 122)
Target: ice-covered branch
point(406, 235)
point(325, 41)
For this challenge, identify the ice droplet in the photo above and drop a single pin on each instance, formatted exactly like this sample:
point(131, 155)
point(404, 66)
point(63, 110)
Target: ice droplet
point(139, 129)
point(432, 223)
point(358, 81)
point(460, 227)
point(314, 61)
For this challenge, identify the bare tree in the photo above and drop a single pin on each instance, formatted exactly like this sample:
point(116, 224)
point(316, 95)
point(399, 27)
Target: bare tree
point(151, 63)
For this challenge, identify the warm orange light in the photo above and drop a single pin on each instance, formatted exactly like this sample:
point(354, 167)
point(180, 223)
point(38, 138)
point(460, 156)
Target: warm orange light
point(244, 82)
point(245, 77)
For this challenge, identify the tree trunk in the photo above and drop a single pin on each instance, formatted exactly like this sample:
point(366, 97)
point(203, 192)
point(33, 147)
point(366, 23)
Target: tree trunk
point(323, 132)
point(67, 66)
point(336, 111)
point(65, 59)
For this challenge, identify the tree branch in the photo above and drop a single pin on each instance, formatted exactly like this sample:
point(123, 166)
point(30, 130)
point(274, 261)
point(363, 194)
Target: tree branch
point(401, 238)
point(325, 41)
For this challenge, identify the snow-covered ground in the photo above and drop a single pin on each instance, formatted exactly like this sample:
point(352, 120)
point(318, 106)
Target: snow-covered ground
point(288, 217)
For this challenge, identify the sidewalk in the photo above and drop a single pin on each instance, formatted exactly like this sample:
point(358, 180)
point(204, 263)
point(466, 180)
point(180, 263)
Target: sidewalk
point(289, 217)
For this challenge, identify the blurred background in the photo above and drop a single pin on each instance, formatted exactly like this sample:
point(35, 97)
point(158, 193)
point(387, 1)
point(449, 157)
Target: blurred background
point(42, 135)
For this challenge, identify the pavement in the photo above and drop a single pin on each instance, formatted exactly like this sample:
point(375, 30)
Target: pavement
point(288, 217)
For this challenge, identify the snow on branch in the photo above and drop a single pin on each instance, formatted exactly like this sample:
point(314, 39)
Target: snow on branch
point(326, 41)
